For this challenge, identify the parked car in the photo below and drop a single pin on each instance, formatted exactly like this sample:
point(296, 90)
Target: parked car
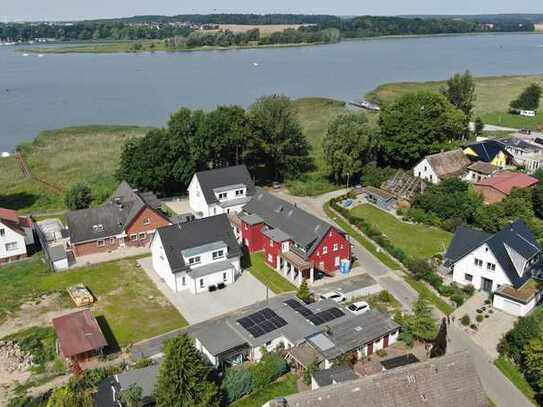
point(334, 296)
point(359, 307)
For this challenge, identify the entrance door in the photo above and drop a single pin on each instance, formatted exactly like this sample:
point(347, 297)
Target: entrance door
point(385, 341)
point(370, 348)
point(486, 284)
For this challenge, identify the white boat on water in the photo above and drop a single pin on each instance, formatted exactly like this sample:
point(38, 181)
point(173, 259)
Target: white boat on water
point(256, 64)
point(25, 54)
point(40, 55)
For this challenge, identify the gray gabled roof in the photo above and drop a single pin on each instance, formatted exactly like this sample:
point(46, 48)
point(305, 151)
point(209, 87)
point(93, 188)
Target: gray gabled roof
point(448, 381)
point(114, 215)
point(145, 378)
point(221, 177)
point(305, 229)
point(516, 236)
point(338, 374)
point(199, 232)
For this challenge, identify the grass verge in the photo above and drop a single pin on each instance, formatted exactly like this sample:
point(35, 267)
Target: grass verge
point(128, 305)
point(514, 375)
point(424, 291)
point(428, 242)
point(285, 386)
point(270, 278)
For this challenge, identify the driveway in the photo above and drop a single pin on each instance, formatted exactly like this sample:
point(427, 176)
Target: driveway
point(197, 308)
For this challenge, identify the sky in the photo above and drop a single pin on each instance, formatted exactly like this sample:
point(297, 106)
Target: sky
point(90, 9)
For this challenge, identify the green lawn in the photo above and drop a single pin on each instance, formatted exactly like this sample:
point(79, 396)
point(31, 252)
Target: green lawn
point(416, 240)
point(62, 158)
point(271, 278)
point(285, 386)
point(514, 375)
point(92, 47)
point(493, 97)
point(132, 306)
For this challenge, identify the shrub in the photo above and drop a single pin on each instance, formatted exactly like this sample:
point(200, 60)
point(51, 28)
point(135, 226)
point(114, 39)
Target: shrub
point(479, 318)
point(479, 311)
point(238, 381)
point(490, 311)
point(381, 353)
point(473, 326)
point(465, 320)
point(488, 302)
point(469, 290)
point(487, 316)
point(144, 362)
point(458, 299)
point(79, 196)
point(270, 367)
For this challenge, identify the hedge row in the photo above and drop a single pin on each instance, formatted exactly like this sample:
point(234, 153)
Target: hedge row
point(419, 268)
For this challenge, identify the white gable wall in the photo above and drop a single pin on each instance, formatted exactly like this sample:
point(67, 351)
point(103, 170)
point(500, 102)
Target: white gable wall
point(161, 264)
point(425, 171)
point(10, 236)
point(197, 201)
point(466, 265)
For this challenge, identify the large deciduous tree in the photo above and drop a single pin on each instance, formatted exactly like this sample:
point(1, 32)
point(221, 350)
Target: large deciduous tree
point(277, 141)
point(528, 99)
point(415, 125)
point(184, 378)
point(348, 146)
point(460, 91)
point(79, 196)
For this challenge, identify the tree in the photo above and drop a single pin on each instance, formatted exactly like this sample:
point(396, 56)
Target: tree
point(533, 360)
point(65, 396)
point(303, 292)
point(238, 381)
point(347, 146)
point(415, 125)
point(439, 347)
point(79, 196)
point(460, 91)
point(528, 99)
point(537, 200)
point(421, 323)
point(277, 142)
point(308, 372)
point(132, 396)
point(479, 126)
point(184, 378)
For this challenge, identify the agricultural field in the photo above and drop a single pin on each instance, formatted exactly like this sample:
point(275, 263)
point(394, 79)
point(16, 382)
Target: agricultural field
point(493, 97)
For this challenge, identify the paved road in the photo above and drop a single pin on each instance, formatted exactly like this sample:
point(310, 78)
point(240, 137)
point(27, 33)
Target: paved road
point(496, 385)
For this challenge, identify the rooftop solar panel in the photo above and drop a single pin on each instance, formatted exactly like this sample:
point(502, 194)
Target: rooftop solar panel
point(262, 322)
point(246, 322)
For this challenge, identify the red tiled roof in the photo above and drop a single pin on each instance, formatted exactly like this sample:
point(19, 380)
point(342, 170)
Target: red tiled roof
point(78, 332)
point(507, 180)
point(9, 215)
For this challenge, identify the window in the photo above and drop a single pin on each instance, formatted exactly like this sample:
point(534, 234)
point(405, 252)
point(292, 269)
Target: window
point(201, 283)
point(336, 261)
point(142, 235)
point(146, 221)
point(224, 277)
point(222, 195)
point(336, 247)
point(194, 260)
point(11, 246)
point(490, 266)
point(270, 258)
point(468, 277)
point(111, 241)
point(324, 249)
point(100, 243)
point(239, 192)
point(478, 262)
point(271, 243)
point(2, 232)
point(425, 168)
point(218, 254)
point(134, 236)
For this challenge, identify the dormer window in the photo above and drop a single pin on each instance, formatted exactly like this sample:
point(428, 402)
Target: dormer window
point(194, 260)
point(222, 195)
point(239, 192)
point(218, 254)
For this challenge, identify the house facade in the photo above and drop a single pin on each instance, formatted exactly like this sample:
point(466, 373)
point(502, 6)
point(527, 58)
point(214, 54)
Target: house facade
point(489, 151)
point(491, 263)
point(128, 218)
point(16, 233)
point(293, 242)
point(497, 187)
point(434, 168)
point(221, 190)
point(198, 256)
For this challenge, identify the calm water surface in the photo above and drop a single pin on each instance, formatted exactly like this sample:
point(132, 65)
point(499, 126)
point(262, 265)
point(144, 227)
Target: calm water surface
point(53, 91)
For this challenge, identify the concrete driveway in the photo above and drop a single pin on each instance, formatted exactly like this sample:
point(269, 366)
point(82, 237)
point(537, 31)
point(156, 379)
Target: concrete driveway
point(197, 308)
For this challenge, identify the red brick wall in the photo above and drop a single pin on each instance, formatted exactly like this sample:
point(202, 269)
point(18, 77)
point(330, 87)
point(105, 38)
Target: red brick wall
point(344, 251)
point(83, 249)
point(137, 225)
point(11, 259)
point(252, 236)
point(490, 195)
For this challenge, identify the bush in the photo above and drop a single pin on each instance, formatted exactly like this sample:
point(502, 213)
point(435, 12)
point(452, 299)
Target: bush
point(487, 316)
point(473, 326)
point(479, 311)
point(144, 362)
point(270, 367)
point(458, 299)
point(479, 318)
point(238, 381)
point(488, 302)
point(465, 320)
point(79, 196)
point(468, 289)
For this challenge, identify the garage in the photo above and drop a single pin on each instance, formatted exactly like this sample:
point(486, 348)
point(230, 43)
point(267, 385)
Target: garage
point(508, 306)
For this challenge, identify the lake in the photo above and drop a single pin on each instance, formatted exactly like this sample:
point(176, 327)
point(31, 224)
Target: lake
point(54, 91)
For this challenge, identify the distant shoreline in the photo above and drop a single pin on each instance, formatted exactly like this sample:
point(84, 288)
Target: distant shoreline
point(125, 46)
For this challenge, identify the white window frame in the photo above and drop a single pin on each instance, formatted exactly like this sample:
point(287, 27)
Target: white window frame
point(336, 247)
point(133, 237)
point(222, 195)
point(218, 254)
point(195, 260)
point(100, 243)
point(142, 236)
point(271, 243)
point(112, 241)
point(14, 246)
point(466, 279)
point(224, 277)
point(146, 221)
point(337, 261)
point(490, 266)
point(239, 192)
point(324, 249)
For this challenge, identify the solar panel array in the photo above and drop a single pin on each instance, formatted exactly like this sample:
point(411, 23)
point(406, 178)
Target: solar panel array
point(262, 322)
point(316, 319)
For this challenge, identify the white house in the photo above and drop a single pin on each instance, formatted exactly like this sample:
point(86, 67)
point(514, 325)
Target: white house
point(504, 264)
point(433, 168)
point(16, 233)
point(198, 256)
point(221, 190)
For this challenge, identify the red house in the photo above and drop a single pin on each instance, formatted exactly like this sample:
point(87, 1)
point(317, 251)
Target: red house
point(128, 218)
point(294, 242)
